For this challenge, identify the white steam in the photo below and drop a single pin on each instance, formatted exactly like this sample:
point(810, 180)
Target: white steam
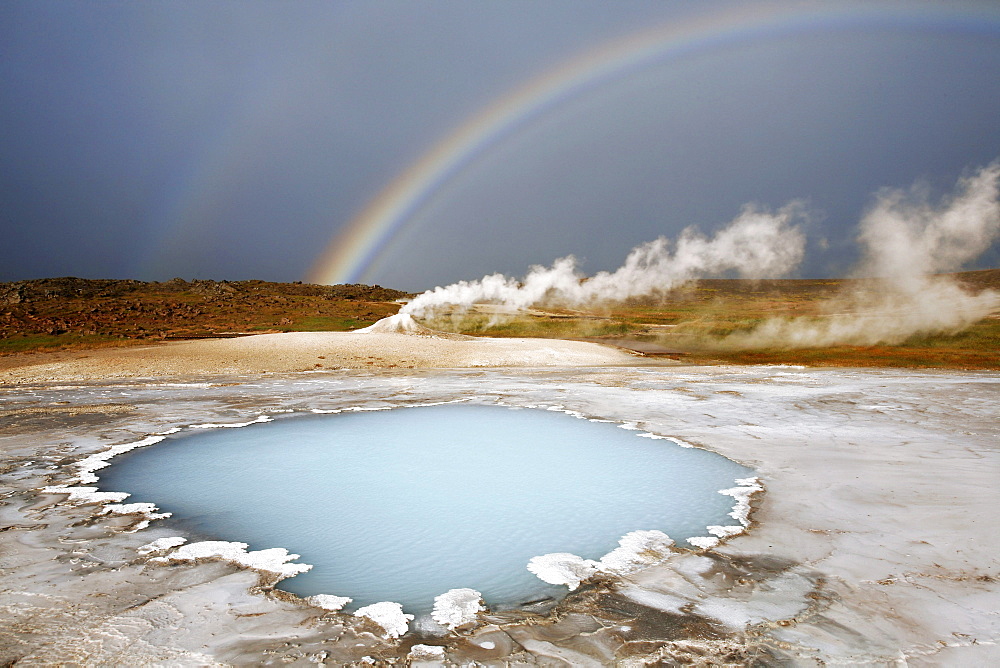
point(905, 240)
point(757, 244)
point(904, 236)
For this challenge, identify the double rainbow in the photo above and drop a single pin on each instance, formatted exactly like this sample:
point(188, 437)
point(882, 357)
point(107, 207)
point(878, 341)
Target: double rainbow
point(354, 249)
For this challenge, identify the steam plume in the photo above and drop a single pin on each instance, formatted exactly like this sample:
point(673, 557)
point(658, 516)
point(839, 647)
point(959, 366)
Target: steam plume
point(905, 240)
point(757, 244)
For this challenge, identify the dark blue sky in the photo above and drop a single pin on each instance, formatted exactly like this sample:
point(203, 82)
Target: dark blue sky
point(233, 140)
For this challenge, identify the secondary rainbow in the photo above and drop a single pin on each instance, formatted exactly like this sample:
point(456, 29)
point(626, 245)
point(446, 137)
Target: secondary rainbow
point(353, 250)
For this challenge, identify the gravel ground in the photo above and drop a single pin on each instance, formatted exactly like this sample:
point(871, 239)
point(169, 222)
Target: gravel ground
point(303, 351)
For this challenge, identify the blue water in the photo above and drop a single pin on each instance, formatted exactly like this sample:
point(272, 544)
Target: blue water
point(405, 504)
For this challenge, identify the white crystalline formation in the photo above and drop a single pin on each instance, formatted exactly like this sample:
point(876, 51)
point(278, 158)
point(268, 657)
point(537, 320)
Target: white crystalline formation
point(232, 425)
point(635, 550)
point(389, 616)
point(703, 542)
point(639, 549)
point(329, 602)
point(718, 533)
point(86, 494)
point(85, 474)
point(562, 568)
point(725, 531)
point(161, 545)
point(747, 487)
point(457, 607)
point(98, 461)
point(426, 652)
point(147, 509)
point(273, 560)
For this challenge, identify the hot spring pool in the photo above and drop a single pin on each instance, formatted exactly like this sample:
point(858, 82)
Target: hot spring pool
point(405, 504)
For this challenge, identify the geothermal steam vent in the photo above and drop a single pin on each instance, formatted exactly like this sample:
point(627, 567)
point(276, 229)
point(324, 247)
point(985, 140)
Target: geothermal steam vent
point(406, 504)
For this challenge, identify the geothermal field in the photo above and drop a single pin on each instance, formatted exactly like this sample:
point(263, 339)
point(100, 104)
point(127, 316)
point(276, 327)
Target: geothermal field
point(689, 354)
point(434, 488)
point(861, 533)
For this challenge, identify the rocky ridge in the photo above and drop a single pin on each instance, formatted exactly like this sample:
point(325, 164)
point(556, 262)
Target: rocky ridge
point(94, 311)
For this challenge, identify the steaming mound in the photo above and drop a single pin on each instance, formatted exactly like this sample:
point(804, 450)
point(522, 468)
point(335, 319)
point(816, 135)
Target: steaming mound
point(401, 323)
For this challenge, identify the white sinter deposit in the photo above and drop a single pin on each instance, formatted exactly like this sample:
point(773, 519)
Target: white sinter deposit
point(389, 616)
point(746, 488)
point(400, 323)
point(872, 546)
point(329, 602)
point(457, 607)
point(636, 549)
point(562, 568)
point(161, 545)
point(272, 560)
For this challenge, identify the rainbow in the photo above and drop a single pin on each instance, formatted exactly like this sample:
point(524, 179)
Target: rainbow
point(355, 248)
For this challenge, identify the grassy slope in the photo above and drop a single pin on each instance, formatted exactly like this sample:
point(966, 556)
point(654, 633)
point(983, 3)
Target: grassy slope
point(688, 323)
